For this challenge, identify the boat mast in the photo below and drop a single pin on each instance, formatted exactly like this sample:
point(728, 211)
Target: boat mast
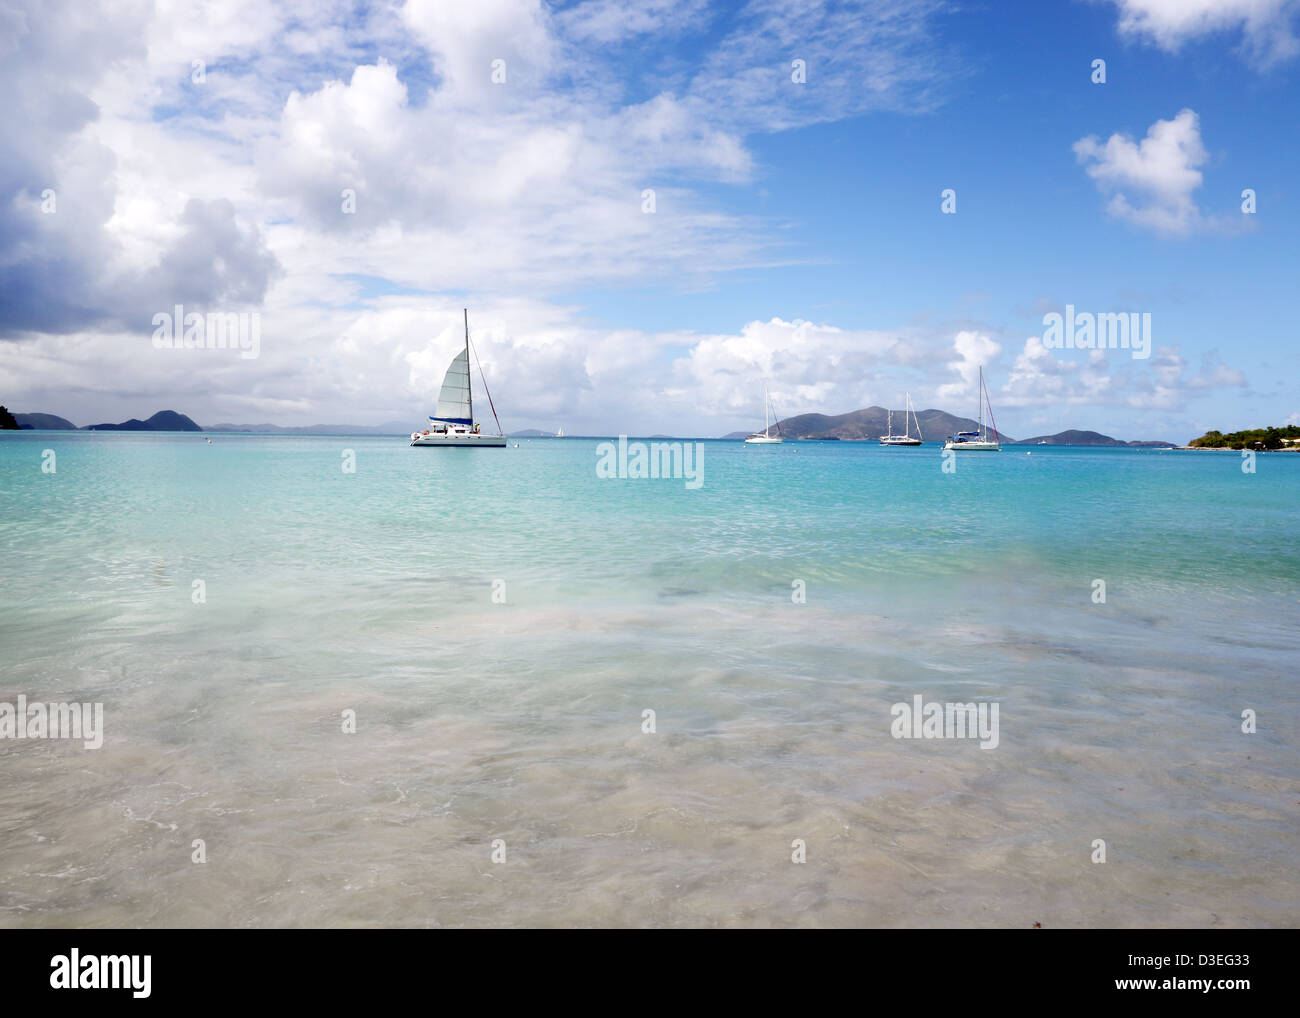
point(469, 385)
point(992, 419)
point(981, 399)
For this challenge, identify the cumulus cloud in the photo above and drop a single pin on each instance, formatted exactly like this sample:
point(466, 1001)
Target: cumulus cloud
point(1265, 26)
point(459, 182)
point(807, 365)
point(229, 192)
point(466, 40)
point(1151, 182)
point(71, 253)
point(1041, 377)
point(974, 349)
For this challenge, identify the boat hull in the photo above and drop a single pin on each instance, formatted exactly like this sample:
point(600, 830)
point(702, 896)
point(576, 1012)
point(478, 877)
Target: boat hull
point(901, 441)
point(463, 441)
point(974, 446)
point(762, 440)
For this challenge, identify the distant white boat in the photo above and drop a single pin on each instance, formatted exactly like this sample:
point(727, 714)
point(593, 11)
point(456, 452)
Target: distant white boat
point(977, 441)
point(906, 437)
point(559, 432)
point(452, 424)
point(765, 437)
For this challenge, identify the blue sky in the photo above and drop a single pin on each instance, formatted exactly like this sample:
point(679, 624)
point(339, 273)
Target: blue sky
point(796, 239)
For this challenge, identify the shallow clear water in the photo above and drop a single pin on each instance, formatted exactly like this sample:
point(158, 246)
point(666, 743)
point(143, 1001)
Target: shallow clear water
point(372, 591)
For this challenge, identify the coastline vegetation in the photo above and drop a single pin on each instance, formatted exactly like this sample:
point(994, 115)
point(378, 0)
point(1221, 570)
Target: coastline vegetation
point(1255, 438)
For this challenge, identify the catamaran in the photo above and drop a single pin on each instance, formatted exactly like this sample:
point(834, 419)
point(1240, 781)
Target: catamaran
point(765, 437)
point(978, 441)
point(906, 437)
point(452, 423)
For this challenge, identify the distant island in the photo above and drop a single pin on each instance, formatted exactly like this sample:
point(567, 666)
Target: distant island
point(936, 425)
point(43, 422)
point(163, 420)
point(1091, 438)
point(170, 420)
point(869, 424)
point(1257, 438)
point(865, 425)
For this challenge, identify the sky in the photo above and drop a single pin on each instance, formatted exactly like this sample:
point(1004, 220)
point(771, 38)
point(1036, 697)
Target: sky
point(653, 209)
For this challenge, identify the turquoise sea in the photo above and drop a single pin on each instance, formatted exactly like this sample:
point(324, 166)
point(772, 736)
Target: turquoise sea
point(499, 620)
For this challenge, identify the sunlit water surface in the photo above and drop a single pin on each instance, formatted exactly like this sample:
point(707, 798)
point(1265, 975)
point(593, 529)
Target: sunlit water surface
point(521, 721)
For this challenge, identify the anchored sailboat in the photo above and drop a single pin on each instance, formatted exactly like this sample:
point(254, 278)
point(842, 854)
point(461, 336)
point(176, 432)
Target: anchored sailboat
point(978, 441)
point(452, 423)
point(906, 437)
point(765, 437)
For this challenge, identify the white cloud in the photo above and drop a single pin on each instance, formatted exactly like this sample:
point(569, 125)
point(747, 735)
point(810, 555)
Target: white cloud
point(974, 350)
point(1042, 378)
point(460, 182)
point(1266, 26)
point(614, 21)
point(1160, 173)
point(859, 57)
point(466, 39)
point(528, 189)
point(808, 367)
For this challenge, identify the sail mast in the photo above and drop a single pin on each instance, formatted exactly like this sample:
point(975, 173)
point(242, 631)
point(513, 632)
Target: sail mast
point(469, 385)
point(992, 419)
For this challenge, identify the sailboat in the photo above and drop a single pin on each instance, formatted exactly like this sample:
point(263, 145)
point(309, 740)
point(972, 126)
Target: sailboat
point(906, 437)
point(977, 441)
point(559, 432)
point(765, 437)
point(452, 423)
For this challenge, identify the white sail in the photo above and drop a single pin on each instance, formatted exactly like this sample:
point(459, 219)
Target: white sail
point(454, 399)
point(454, 424)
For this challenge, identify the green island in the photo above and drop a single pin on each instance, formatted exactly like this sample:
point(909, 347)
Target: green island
point(1256, 438)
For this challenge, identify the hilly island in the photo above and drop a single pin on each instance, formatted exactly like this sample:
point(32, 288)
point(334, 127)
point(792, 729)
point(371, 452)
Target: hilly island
point(869, 424)
point(865, 425)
